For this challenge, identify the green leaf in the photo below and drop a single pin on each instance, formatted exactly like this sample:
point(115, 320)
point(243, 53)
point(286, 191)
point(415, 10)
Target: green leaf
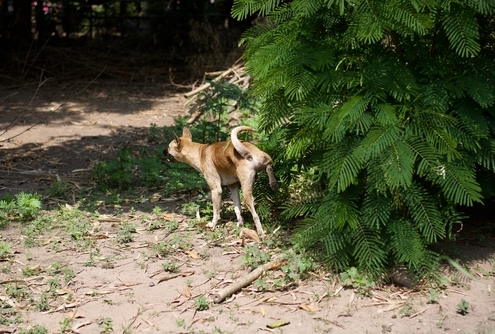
point(377, 140)
point(462, 31)
point(458, 183)
point(424, 213)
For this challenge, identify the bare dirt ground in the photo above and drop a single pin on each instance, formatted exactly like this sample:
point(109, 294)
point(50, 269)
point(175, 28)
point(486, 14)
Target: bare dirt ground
point(127, 282)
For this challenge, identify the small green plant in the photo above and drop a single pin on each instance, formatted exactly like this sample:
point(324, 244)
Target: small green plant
point(17, 292)
point(170, 266)
point(172, 225)
point(68, 274)
point(201, 303)
point(361, 284)
point(106, 324)
point(131, 168)
point(463, 307)
point(157, 211)
point(407, 310)
point(93, 254)
point(190, 208)
point(42, 304)
point(254, 257)
point(181, 323)
point(181, 242)
point(432, 296)
point(54, 285)
point(35, 228)
point(298, 266)
point(35, 330)
point(53, 268)
point(59, 189)
point(261, 284)
point(162, 248)
point(23, 206)
point(28, 271)
point(125, 233)
point(5, 250)
point(66, 326)
point(154, 134)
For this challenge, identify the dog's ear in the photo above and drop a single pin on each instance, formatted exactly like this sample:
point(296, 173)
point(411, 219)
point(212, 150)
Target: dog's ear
point(176, 138)
point(177, 142)
point(186, 133)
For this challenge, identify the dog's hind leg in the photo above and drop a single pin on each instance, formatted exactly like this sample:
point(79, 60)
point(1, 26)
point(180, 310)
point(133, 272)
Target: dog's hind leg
point(216, 199)
point(247, 190)
point(234, 194)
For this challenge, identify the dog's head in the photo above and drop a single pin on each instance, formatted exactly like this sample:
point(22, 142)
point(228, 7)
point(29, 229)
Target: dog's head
point(175, 147)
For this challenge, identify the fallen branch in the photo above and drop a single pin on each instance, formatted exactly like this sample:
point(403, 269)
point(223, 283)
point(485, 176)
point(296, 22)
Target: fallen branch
point(418, 313)
point(208, 84)
point(216, 79)
point(246, 280)
point(167, 278)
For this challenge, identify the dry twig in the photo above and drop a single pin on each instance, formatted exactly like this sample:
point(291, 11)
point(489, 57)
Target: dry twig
point(245, 280)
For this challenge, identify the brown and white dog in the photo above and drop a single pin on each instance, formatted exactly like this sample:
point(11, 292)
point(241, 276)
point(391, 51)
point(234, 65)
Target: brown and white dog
point(223, 164)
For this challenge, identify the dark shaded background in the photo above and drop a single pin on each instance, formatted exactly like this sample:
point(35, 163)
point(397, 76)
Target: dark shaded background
point(135, 41)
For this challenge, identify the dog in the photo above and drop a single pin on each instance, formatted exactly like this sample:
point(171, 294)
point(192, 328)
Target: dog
point(233, 164)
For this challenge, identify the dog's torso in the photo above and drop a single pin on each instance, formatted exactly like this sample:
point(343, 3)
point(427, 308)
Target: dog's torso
point(222, 160)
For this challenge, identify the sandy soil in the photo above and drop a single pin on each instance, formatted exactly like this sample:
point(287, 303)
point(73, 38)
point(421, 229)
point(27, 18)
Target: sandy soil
point(126, 283)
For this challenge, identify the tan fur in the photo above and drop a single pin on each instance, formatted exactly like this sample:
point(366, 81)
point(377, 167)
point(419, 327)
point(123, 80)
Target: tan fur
point(233, 164)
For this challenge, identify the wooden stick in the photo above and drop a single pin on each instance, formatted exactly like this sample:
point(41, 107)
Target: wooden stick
point(245, 280)
point(206, 85)
point(418, 313)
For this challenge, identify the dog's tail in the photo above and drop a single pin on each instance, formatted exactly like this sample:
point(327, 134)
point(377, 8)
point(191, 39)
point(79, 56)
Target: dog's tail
point(239, 147)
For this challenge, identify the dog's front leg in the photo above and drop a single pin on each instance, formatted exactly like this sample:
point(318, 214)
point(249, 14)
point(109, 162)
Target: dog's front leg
point(216, 199)
point(234, 194)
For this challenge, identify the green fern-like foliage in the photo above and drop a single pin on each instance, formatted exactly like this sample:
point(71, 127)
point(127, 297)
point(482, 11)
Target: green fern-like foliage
point(390, 104)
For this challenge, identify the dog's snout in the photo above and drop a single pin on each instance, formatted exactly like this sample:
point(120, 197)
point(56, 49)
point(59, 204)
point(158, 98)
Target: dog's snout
point(169, 156)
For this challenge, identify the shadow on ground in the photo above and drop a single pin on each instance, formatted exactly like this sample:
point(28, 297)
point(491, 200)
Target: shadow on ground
point(56, 132)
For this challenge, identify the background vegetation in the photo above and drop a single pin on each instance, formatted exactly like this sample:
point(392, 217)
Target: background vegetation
point(387, 108)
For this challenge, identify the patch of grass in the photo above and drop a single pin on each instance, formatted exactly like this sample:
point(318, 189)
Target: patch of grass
point(42, 303)
point(181, 323)
point(106, 325)
point(68, 274)
point(35, 229)
point(407, 310)
point(361, 284)
point(297, 267)
point(5, 250)
point(254, 256)
point(162, 248)
point(125, 233)
point(463, 307)
point(17, 292)
point(170, 266)
point(201, 303)
point(182, 242)
point(190, 208)
point(35, 330)
point(60, 189)
point(65, 326)
point(23, 207)
point(94, 253)
point(432, 296)
point(54, 285)
point(30, 271)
